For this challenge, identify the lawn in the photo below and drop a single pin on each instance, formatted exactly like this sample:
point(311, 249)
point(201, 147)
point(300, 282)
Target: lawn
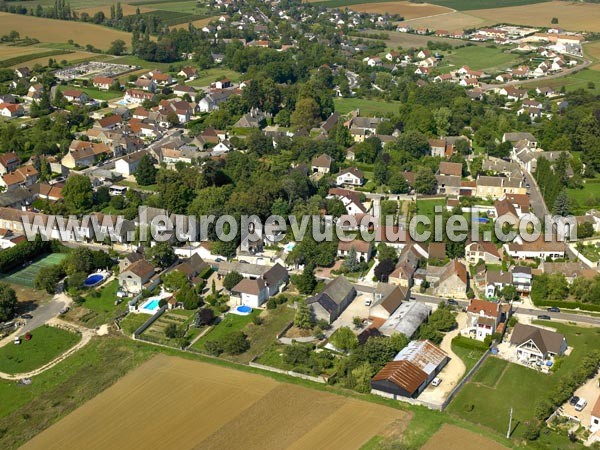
point(132, 322)
point(467, 355)
point(427, 208)
point(263, 335)
point(96, 94)
point(368, 107)
point(578, 80)
point(26, 276)
point(134, 185)
point(46, 344)
point(499, 383)
point(591, 252)
point(229, 324)
point(99, 306)
point(481, 58)
point(586, 198)
point(135, 61)
point(208, 76)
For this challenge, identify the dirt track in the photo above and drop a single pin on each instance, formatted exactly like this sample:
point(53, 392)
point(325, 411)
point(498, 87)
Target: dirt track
point(176, 403)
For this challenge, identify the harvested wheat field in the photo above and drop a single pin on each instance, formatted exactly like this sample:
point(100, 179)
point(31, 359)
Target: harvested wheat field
point(405, 9)
point(128, 10)
point(200, 23)
point(7, 51)
point(74, 56)
point(450, 437)
point(170, 402)
point(50, 30)
point(454, 21)
point(571, 16)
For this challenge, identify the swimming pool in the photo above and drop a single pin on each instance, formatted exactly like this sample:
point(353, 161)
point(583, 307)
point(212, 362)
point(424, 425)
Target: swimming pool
point(242, 310)
point(151, 305)
point(94, 279)
point(289, 246)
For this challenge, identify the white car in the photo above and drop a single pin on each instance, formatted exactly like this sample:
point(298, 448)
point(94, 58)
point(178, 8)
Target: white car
point(368, 302)
point(582, 403)
point(17, 340)
point(436, 381)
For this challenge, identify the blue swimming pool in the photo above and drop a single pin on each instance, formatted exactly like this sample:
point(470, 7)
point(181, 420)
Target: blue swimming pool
point(244, 309)
point(152, 304)
point(93, 280)
point(483, 220)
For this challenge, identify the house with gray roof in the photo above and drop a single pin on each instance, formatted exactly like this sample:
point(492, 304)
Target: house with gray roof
point(406, 319)
point(533, 344)
point(335, 298)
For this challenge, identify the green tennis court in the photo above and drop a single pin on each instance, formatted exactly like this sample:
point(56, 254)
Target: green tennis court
point(26, 276)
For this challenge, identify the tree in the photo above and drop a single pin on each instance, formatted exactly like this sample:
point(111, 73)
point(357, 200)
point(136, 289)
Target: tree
point(397, 184)
point(205, 317)
point(303, 317)
point(554, 21)
point(48, 278)
point(306, 282)
point(78, 194)
point(231, 279)
point(425, 181)
point(145, 174)
point(307, 114)
point(162, 254)
point(344, 339)
point(562, 204)
point(351, 263)
point(362, 377)
point(384, 269)
point(117, 47)
point(8, 302)
point(235, 343)
point(174, 280)
point(509, 293)
point(414, 142)
point(171, 331)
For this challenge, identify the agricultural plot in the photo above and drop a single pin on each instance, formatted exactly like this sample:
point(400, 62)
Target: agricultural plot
point(574, 16)
point(200, 23)
point(478, 57)
point(49, 30)
point(175, 403)
point(466, 5)
point(186, 6)
point(156, 331)
point(407, 40)
point(405, 9)
point(26, 276)
point(451, 437)
point(46, 344)
point(453, 21)
point(128, 10)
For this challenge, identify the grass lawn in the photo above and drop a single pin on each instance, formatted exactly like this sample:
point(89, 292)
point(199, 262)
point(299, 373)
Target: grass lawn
point(579, 80)
point(427, 208)
point(367, 106)
point(26, 276)
point(96, 94)
point(205, 77)
point(229, 324)
point(135, 61)
point(499, 383)
point(586, 198)
point(480, 58)
point(263, 335)
point(132, 322)
point(468, 356)
point(101, 304)
point(133, 185)
point(46, 344)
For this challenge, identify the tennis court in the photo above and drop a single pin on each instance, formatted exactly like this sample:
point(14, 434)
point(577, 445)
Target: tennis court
point(26, 276)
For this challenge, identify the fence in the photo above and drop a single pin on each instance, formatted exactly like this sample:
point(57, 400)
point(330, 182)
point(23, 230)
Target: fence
point(466, 379)
point(409, 400)
point(149, 322)
point(288, 372)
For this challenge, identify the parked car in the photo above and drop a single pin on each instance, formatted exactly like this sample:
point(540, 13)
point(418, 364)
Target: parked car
point(17, 340)
point(64, 310)
point(582, 403)
point(368, 302)
point(452, 302)
point(26, 316)
point(544, 317)
point(412, 298)
point(574, 400)
point(553, 309)
point(436, 381)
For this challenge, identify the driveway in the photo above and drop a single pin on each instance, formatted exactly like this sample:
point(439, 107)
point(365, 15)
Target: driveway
point(452, 373)
point(355, 309)
point(589, 391)
point(41, 315)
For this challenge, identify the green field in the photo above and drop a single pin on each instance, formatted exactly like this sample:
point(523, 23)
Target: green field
point(578, 80)
point(367, 107)
point(205, 77)
point(156, 331)
point(46, 344)
point(26, 277)
point(231, 322)
point(500, 385)
point(468, 356)
point(99, 306)
point(96, 94)
point(132, 322)
point(586, 198)
point(480, 58)
point(187, 7)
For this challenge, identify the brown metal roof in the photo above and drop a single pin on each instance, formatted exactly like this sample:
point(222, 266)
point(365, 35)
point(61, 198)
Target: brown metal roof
point(403, 374)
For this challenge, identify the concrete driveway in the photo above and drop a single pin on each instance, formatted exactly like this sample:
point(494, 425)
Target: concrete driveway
point(589, 391)
point(355, 309)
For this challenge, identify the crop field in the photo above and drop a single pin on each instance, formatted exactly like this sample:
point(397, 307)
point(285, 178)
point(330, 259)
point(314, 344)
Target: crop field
point(451, 437)
point(407, 40)
point(26, 277)
point(466, 5)
point(75, 4)
point(172, 402)
point(200, 23)
point(8, 51)
point(128, 10)
point(482, 58)
point(405, 9)
point(188, 7)
point(453, 21)
point(571, 16)
point(49, 30)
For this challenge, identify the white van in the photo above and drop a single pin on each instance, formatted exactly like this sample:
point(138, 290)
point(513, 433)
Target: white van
point(582, 403)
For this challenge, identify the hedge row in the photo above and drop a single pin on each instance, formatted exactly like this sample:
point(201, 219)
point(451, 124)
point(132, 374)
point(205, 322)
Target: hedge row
point(23, 252)
point(469, 344)
point(566, 304)
point(24, 58)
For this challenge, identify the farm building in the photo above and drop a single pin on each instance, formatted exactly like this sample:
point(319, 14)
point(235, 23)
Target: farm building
point(411, 371)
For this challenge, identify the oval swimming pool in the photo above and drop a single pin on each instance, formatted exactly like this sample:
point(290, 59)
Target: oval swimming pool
point(93, 279)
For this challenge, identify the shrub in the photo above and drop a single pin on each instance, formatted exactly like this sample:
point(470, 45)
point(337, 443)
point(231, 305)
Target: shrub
point(257, 320)
point(213, 348)
point(470, 344)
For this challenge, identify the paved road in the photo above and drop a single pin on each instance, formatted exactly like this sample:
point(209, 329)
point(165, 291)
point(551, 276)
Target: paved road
point(45, 312)
point(527, 311)
point(535, 196)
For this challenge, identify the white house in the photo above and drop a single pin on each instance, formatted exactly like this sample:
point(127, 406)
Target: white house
point(251, 293)
point(350, 176)
point(128, 164)
point(483, 318)
point(533, 344)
